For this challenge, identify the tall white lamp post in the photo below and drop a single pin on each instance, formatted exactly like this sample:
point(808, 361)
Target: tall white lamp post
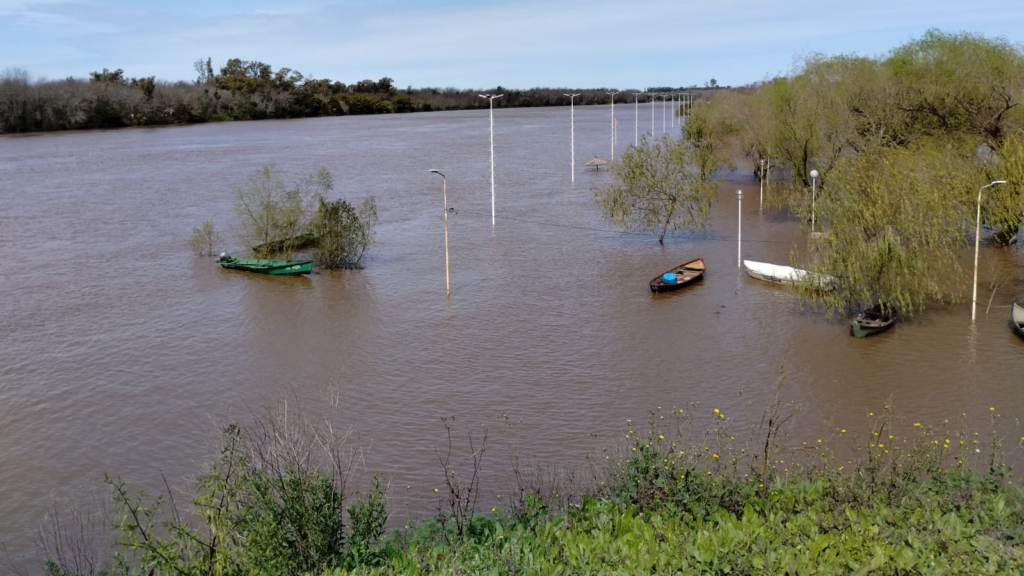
point(491, 98)
point(636, 118)
point(612, 94)
point(739, 229)
point(572, 131)
point(760, 176)
point(814, 181)
point(447, 279)
point(663, 129)
point(977, 241)
point(652, 115)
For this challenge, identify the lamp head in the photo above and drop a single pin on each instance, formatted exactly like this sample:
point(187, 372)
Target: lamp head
point(814, 173)
point(434, 170)
point(999, 182)
point(739, 194)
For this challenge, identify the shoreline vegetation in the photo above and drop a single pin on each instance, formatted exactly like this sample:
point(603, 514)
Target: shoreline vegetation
point(247, 90)
point(685, 492)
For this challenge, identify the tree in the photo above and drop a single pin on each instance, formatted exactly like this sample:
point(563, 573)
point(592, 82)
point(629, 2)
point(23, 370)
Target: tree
point(896, 219)
point(272, 218)
point(658, 187)
point(342, 232)
point(204, 238)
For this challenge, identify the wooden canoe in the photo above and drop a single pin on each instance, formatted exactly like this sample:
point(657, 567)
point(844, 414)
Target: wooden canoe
point(682, 275)
point(872, 321)
point(1017, 317)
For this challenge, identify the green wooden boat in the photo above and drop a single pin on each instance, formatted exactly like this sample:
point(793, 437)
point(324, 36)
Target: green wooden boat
point(273, 267)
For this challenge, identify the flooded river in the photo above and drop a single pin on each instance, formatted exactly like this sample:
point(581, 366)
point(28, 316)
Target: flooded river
point(122, 352)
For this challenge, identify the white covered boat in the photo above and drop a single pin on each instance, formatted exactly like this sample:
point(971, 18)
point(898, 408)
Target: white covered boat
point(785, 274)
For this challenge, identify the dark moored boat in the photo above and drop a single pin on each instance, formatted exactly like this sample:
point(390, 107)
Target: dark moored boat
point(679, 276)
point(1017, 317)
point(872, 321)
point(261, 266)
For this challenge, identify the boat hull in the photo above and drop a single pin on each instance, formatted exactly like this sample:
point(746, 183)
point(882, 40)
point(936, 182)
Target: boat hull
point(271, 267)
point(786, 275)
point(686, 273)
point(1017, 317)
point(871, 321)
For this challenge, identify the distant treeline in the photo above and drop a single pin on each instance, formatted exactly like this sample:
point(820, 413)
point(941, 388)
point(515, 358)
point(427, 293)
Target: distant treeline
point(241, 90)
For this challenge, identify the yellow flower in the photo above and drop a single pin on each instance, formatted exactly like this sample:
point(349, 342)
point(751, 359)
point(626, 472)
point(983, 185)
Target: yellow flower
point(494, 510)
point(991, 408)
point(716, 411)
point(871, 413)
point(842, 431)
point(680, 410)
point(721, 415)
point(917, 423)
point(881, 445)
point(661, 437)
point(435, 489)
point(840, 468)
point(715, 456)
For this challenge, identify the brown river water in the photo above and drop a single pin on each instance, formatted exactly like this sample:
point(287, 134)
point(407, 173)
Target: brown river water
point(122, 352)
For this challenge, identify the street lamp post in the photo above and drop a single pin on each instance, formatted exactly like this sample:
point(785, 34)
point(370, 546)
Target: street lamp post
point(977, 241)
point(814, 181)
point(491, 98)
point(739, 229)
point(636, 118)
point(612, 94)
point(447, 278)
point(572, 131)
point(652, 116)
point(663, 130)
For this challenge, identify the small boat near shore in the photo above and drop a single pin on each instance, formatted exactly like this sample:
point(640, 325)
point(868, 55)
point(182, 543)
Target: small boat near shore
point(872, 321)
point(682, 275)
point(261, 266)
point(786, 274)
point(1017, 317)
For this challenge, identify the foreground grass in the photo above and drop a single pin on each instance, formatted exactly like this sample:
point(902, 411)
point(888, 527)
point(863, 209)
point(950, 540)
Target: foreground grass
point(935, 502)
point(955, 523)
point(662, 501)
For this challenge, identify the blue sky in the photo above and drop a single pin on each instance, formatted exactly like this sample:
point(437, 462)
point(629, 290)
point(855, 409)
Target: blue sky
point(479, 44)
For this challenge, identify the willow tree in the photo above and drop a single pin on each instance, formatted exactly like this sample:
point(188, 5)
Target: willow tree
point(1004, 205)
point(896, 221)
point(659, 186)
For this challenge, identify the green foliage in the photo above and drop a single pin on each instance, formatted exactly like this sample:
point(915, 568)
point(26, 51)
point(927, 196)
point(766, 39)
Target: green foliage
point(257, 510)
point(272, 217)
point(661, 185)
point(892, 214)
point(203, 239)
point(907, 505)
point(342, 233)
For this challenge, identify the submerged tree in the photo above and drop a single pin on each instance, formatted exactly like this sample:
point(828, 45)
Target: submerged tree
point(342, 232)
point(204, 238)
point(273, 218)
point(896, 219)
point(658, 187)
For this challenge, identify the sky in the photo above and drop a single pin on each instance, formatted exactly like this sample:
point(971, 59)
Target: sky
point(481, 44)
